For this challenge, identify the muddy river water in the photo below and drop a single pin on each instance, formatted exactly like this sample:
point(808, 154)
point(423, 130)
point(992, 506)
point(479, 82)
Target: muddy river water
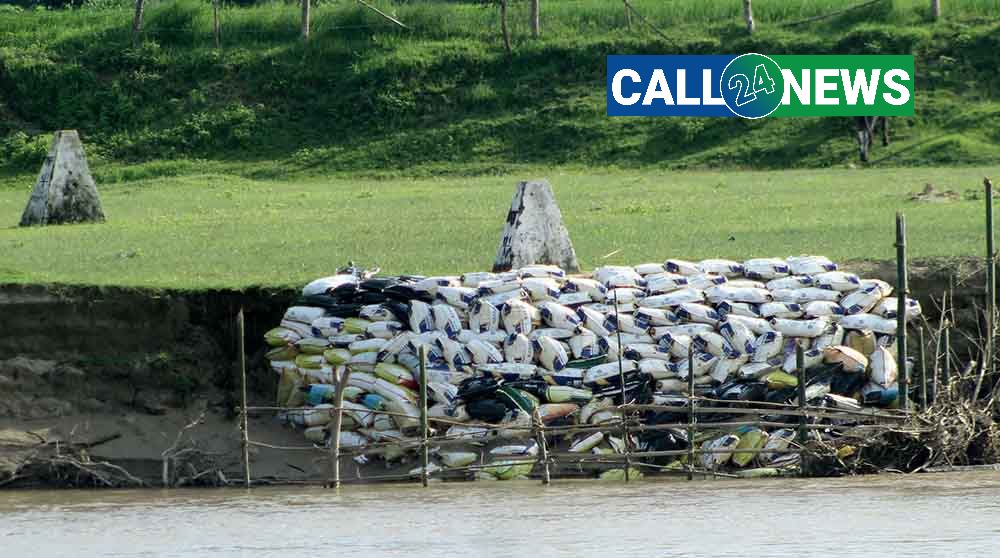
point(945, 515)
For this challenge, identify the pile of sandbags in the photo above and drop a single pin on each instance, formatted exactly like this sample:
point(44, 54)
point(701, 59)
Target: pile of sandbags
point(535, 344)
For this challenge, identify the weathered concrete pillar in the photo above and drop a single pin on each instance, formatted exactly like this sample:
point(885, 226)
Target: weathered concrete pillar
point(534, 233)
point(65, 191)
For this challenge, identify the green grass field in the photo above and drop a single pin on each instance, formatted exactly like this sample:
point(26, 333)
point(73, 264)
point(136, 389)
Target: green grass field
point(217, 230)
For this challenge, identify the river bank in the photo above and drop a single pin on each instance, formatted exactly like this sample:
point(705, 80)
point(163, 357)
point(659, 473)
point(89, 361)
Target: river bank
point(148, 372)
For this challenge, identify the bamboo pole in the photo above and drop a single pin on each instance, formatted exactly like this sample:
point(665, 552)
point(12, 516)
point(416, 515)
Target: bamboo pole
point(800, 370)
point(245, 426)
point(424, 429)
point(535, 28)
point(338, 420)
point(503, 26)
point(901, 293)
point(621, 378)
point(306, 16)
point(691, 413)
point(989, 354)
point(936, 9)
point(536, 419)
point(215, 23)
point(921, 361)
point(946, 375)
point(628, 17)
point(748, 15)
point(140, 6)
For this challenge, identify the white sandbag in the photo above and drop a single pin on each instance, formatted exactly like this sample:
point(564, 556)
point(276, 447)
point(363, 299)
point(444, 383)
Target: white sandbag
point(483, 352)
point(553, 332)
point(541, 271)
point(712, 343)
point(662, 283)
point(852, 360)
point(411, 420)
point(793, 282)
point(344, 340)
point(649, 269)
point(430, 285)
point(768, 346)
point(299, 328)
point(583, 445)
point(698, 313)
point(671, 385)
point(888, 308)
point(883, 287)
point(324, 285)
point(624, 296)
point(861, 300)
point(884, 370)
point(376, 313)
point(573, 300)
point(689, 330)
point(592, 287)
point(602, 374)
point(727, 308)
point(483, 316)
point(384, 330)
point(497, 286)
point(640, 351)
point(609, 309)
point(720, 293)
point(364, 362)
point(682, 267)
point(672, 299)
point(728, 366)
point(746, 284)
point(729, 268)
point(805, 295)
point(393, 392)
point(757, 370)
point(703, 363)
point(617, 276)
point(585, 345)
point(395, 345)
point(550, 353)
point(523, 371)
point(517, 316)
point(421, 318)
point(540, 289)
point(783, 310)
point(327, 326)
point(809, 265)
point(704, 281)
point(518, 348)
point(869, 321)
point(500, 299)
point(831, 337)
point(594, 321)
point(811, 358)
point(459, 297)
point(475, 278)
point(678, 345)
point(800, 328)
point(446, 320)
point(658, 369)
point(625, 323)
point(765, 268)
point(739, 336)
point(823, 309)
point(646, 318)
point(777, 442)
point(758, 326)
point(304, 314)
point(367, 345)
point(363, 380)
point(559, 316)
point(837, 280)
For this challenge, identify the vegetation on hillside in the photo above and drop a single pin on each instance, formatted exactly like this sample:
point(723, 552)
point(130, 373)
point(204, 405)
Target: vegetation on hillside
point(366, 97)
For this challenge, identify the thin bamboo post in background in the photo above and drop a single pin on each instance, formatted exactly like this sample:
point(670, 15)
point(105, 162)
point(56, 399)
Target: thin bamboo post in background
point(748, 15)
point(901, 293)
point(946, 375)
point(504, 31)
point(800, 371)
point(989, 354)
point(306, 16)
point(535, 28)
point(215, 23)
point(140, 6)
point(539, 428)
point(424, 429)
point(936, 9)
point(245, 423)
point(338, 421)
point(621, 378)
point(921, 362)
point(691, 415)
point(628, 17)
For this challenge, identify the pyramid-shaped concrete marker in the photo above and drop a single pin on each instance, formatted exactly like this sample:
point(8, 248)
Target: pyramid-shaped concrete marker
point(534, 233)
point(65, 191)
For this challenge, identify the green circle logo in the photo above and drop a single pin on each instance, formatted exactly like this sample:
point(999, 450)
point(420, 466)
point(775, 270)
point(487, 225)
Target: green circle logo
point(752, 85)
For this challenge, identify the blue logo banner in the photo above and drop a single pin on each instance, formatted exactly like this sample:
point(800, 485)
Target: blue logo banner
point(675, 85)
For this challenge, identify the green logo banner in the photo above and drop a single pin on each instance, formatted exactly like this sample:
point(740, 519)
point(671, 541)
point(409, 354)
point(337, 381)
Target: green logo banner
point(854, 85)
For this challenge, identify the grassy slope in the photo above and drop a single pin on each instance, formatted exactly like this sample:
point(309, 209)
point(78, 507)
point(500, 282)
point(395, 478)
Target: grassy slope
point(225, 231)
point(366, 98)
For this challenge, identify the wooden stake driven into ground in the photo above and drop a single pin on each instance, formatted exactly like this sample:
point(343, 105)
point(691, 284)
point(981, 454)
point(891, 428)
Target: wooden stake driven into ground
point(306, 13)
point(137, 23)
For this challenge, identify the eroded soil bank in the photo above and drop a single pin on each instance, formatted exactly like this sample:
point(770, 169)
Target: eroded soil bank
point(120, 373)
